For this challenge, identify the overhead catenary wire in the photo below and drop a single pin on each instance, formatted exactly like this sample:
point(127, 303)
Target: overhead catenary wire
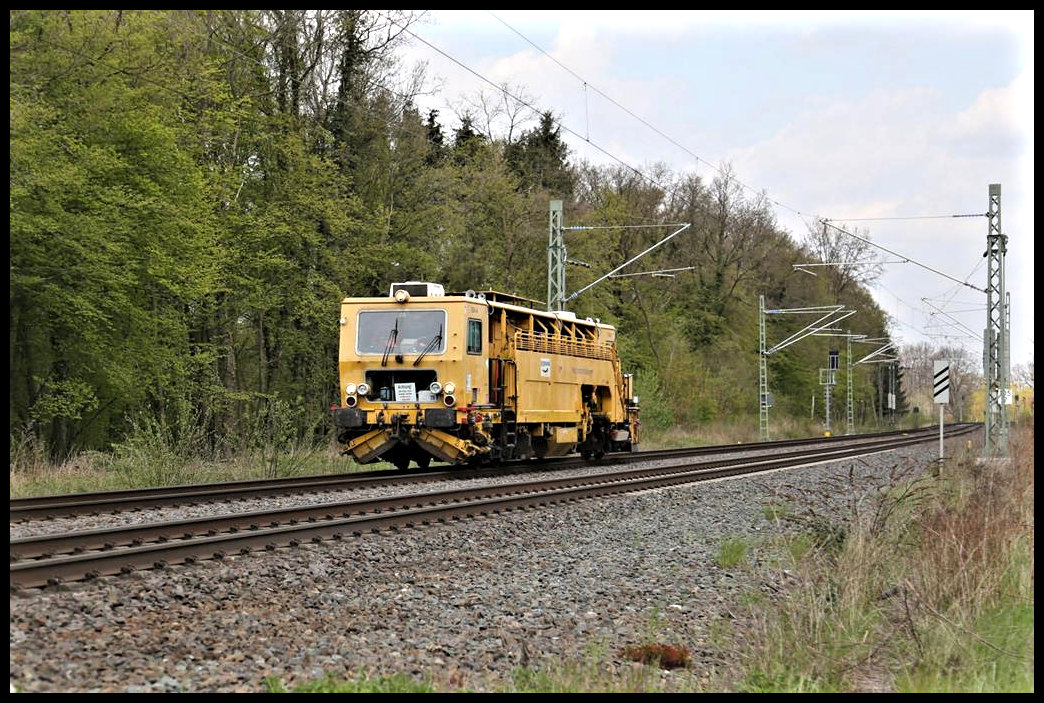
point(908, 217)
point(620, 161)
point(957, 322)
point(587, 85)
point(905, 258)
point(586, 138)
point(585, 227)
point(631, 260)
point(658, 131)
point(526, 103)
point(661, 272)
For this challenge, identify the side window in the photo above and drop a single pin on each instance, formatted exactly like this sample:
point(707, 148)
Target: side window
point(474, 336)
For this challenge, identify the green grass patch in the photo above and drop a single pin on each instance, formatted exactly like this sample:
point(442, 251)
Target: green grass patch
point(775, 511)
point(798, 546)
point(111, 472)
point(753, 598)
point(786, 682)
point(732, 551)
point(589, 674)
point(995, 655)
point(148, 460)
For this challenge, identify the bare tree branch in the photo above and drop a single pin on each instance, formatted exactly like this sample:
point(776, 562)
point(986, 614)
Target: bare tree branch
point(853, 258)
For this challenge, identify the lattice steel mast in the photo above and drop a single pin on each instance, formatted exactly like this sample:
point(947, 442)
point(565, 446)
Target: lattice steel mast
point(763, 429)
point(556, 259)
point(849, 410)
point(996, 339)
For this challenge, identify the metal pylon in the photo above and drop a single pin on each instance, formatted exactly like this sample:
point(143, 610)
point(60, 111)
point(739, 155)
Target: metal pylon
point(850, 411)
point(556, 259)
point(826, 392)
point(996, 337)
point(762, 374)
point(893, 393)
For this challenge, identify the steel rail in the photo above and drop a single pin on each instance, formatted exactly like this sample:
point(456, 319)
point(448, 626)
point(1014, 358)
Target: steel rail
point(137, 534)
point(402, 511)
point(73, 504)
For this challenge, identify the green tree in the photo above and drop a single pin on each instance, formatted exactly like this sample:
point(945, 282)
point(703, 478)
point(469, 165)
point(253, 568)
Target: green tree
point(540, 158)
point(108, 250)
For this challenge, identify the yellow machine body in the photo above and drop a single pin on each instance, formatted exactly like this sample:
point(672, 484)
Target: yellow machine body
point(477, 377)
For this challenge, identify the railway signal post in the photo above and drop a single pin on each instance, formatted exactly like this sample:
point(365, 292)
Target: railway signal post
point(828, 378)
point(941, 395)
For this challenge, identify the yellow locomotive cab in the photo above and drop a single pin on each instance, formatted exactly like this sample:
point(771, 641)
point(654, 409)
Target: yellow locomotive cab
point(476, 378)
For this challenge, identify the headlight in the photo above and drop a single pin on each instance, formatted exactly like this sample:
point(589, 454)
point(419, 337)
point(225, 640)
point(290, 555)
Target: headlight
point(450, 387)
point(435, 388)
point(350, 389)
point(364, 389)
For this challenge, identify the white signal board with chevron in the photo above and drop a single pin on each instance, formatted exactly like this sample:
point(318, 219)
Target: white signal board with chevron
point(941, 388)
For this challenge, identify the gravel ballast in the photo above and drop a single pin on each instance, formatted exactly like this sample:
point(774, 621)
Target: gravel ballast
point(461, 604)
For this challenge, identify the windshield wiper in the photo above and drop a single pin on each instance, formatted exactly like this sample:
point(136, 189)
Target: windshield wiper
point(390, 344)
point(435, 341)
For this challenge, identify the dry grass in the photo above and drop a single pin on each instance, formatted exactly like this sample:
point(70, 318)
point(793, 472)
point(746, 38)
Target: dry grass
point(927, 587)
point(742, 431)
point(148, 459)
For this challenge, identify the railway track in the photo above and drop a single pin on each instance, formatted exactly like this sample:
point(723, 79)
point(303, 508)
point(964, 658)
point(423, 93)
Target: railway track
point(53, 559)
point(70, 505)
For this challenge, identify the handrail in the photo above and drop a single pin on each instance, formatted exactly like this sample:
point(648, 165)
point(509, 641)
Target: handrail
point(526, 340)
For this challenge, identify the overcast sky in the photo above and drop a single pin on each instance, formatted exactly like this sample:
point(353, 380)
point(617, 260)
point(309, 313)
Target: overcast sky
point(833, 114)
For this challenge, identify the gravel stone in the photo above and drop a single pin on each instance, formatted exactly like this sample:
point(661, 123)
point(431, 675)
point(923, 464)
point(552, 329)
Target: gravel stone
point(464, 602)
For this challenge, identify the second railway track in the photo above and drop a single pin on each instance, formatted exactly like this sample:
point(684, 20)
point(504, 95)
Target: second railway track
point(74, 504)
point(52, 559)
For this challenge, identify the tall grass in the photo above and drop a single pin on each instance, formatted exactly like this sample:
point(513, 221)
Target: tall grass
point(928, 587)
point(745, 430)
point(154, 454)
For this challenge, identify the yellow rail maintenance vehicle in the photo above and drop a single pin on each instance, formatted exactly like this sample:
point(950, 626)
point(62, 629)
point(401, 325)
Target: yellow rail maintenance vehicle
point(477, 378)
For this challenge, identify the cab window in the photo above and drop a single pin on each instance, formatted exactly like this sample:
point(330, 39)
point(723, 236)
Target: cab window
point(474, 336)
point(400, 331)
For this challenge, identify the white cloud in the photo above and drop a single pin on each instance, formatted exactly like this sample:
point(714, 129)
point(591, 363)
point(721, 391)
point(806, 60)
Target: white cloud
point(847, 153)
point(909, 150)
point(992, 126)
point(902, 154)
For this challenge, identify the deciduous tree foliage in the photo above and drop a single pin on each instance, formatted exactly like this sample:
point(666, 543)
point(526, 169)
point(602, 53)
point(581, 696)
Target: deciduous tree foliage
point(192, 192)
point(112, 242)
